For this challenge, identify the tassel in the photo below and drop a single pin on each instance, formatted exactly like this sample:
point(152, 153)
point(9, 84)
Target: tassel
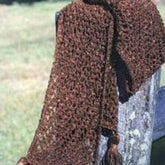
point(23, 161)
point(112, 156)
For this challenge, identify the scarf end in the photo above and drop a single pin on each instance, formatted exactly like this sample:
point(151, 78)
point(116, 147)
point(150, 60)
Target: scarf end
point(112, 156)
point(23, 161)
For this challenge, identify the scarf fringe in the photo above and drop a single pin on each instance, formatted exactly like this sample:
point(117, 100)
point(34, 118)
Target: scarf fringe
point(112, 156)
point(23, 161)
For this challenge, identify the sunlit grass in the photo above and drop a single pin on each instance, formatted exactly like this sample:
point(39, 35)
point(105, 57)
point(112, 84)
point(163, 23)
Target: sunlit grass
point(162, 12)
point(27, 43)
point(26, 54)
point(162, 81)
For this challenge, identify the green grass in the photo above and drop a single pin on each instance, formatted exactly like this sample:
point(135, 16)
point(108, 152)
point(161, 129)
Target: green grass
point(162, 12)
point(162, 81)
point(26, 54)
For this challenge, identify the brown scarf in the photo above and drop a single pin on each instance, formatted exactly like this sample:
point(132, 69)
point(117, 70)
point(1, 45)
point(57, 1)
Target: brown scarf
point(103, 46)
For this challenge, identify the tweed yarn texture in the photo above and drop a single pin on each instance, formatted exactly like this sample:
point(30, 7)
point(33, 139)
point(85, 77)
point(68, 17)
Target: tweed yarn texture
point(98, 42)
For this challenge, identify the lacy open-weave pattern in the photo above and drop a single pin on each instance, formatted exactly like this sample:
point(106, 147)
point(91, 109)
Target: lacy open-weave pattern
point(98, 41)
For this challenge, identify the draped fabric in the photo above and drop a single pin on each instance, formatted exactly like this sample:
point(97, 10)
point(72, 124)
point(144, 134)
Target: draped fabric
point(104, 47)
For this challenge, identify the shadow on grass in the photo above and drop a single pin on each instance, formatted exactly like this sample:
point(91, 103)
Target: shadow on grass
point(28, 2)
point(158, 152)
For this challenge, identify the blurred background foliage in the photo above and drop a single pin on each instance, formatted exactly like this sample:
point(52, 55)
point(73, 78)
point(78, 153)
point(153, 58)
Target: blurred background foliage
point(27, 44)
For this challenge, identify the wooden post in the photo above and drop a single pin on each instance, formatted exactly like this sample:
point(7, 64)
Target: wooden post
point(136, 120)
point(56, 22)
point(159, 125)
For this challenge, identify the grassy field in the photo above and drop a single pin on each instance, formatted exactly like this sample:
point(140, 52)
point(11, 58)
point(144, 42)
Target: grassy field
point(26, 54)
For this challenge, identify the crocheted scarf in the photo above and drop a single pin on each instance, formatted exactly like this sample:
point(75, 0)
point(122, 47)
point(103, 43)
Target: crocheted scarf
point(105, 50)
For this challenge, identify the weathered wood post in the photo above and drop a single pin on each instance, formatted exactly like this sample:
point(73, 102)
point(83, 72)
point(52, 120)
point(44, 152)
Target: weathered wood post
point(159, 124)
point(136, 119)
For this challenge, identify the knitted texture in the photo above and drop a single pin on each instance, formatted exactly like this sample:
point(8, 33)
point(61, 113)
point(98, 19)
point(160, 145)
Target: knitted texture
point(98, 41)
